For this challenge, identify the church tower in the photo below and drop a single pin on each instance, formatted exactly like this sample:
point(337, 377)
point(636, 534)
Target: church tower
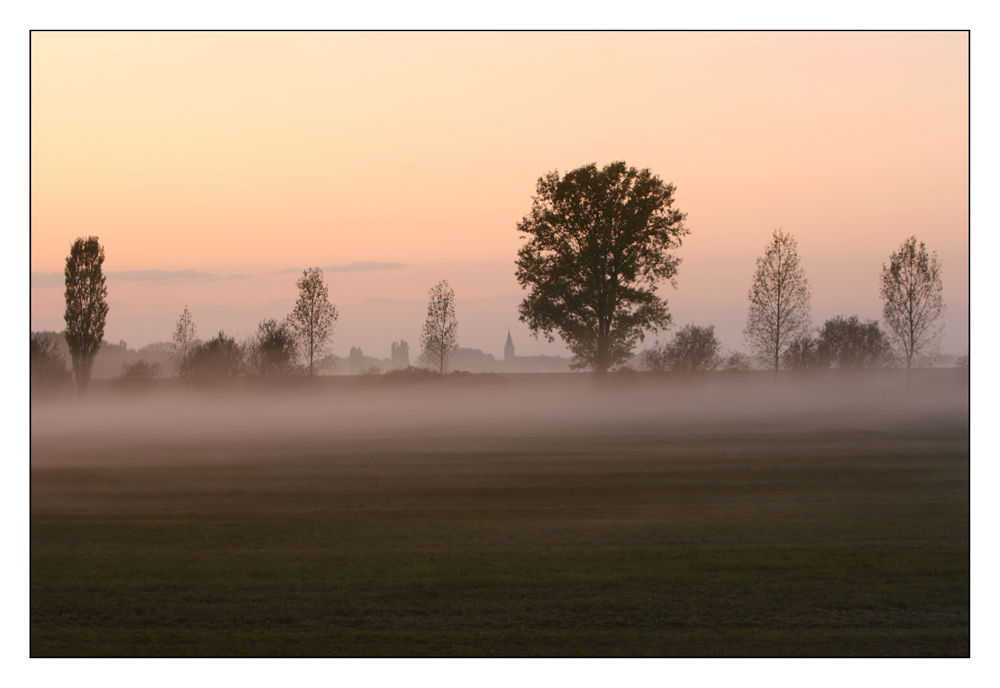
point(508, 350)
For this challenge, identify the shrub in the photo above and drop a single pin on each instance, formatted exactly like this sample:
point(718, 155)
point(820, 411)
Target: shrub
point(137, 375)
point(215, 363)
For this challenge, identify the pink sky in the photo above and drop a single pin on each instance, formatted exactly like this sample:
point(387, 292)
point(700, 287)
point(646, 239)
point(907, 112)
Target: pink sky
point(251, 154)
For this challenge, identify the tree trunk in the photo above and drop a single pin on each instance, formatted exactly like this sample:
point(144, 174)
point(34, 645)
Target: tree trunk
point(81, 371)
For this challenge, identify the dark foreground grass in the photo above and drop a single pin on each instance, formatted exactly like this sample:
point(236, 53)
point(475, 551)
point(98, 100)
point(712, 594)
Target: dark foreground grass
point(808, 543)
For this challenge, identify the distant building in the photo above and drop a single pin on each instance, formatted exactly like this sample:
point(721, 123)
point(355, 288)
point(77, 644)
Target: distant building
point(531, 364)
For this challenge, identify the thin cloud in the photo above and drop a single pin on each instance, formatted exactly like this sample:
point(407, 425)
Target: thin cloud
point(354, 266)
point(56, 279)
point(161, 276)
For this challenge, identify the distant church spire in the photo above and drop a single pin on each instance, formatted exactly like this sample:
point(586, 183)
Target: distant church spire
point(508, 349)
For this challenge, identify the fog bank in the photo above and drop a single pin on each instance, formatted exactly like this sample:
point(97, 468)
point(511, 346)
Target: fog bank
point(174, 426)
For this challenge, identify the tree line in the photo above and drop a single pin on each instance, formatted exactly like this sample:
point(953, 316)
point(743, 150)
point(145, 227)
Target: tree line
point(599, 245)
point(276, 351)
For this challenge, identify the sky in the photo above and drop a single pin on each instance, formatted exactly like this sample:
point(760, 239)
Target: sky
point(214, 167)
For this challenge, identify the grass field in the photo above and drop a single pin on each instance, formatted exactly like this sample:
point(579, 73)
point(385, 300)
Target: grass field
point(653, 539)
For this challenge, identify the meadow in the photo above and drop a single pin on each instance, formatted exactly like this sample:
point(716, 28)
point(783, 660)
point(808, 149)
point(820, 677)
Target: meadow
point(506, 518)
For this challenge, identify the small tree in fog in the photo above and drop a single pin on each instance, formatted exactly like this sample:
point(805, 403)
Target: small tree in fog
point(693, 349)
point(847, 343)
point(47, 366)
point(356, 361)
point(86, 306)
point(737, 361)
point(654, 359)
point(779, 301)
point(138, 375)
point(913, 305)
point(400, 354)
point(270, 352)
point(314, 316)
point(217, 362)
point(804, 354)
point(184, 337)
point(439, 338)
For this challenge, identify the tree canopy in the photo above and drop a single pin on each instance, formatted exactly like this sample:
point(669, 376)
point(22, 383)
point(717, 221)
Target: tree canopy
point(598, 247)
point(439, 338)
point(314, 316)
point(911, 292)
point(86, 306)
point(694, 349)
point(269, 354)
point(779, 301)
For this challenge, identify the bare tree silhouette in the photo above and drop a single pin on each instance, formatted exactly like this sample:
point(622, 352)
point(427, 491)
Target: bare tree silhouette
point(314, 316)
point(779, 301)
point(911, 292)
point(439, 339)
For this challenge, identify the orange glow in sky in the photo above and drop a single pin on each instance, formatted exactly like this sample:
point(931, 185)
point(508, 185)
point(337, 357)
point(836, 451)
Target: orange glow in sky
point(252, 153)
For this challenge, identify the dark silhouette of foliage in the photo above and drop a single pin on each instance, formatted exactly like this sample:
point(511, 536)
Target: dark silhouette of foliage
point(270, 352)
point(86, 306)
point(963, 360)
point(409, 374)
point(849, 344)
point(654, 359)
point(439, 339)
point(693, 349)
point(314, 316)
point(844, 344)
point(913, 305)
point(779, 301)
point(47, 366)
point(138, 375)
point(804, 354)
point(598, 243)
point(215, 363)
point(737, 361)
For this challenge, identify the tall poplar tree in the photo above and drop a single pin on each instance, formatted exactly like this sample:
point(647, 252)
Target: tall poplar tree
point(86, 307)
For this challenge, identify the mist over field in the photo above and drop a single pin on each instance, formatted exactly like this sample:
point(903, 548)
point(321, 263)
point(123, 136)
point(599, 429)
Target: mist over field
point(175, 426)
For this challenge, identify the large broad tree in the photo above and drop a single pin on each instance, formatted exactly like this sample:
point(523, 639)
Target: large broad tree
point(913, 305)
point(314, 316)
point(598, 246)
point(86, 306)
point(779, 301)
point(439, 339)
